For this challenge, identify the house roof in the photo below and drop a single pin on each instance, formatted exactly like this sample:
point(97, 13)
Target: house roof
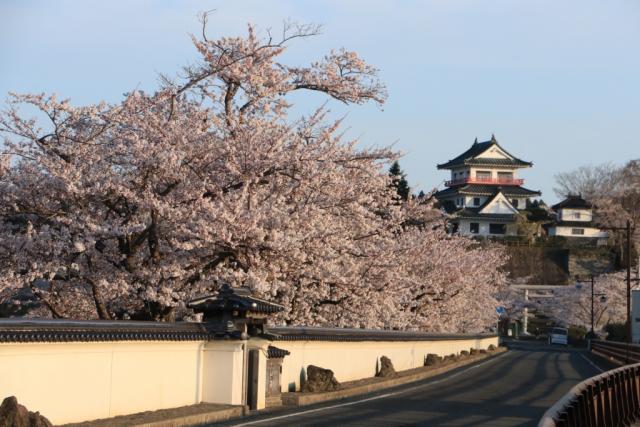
point(470, 157)
point(487, 190)
point(572, 202)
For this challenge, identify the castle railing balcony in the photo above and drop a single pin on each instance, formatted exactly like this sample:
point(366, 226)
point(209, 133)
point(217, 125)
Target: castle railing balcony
point(476, 180)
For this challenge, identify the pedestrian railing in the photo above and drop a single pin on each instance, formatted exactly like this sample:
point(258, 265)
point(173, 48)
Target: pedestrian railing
point(620, 352)
point(610, 399)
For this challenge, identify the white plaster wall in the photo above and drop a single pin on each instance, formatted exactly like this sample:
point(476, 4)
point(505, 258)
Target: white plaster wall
point(223, 372)
point(586, 215)
point(356, 360)
point(566, 231)
point(70, 382)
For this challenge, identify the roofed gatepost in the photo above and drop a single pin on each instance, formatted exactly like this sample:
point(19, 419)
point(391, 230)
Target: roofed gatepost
point(240, 361)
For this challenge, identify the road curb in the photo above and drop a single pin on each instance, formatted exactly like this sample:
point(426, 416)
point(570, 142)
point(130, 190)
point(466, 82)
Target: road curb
point(302, 399)
point(176, 417)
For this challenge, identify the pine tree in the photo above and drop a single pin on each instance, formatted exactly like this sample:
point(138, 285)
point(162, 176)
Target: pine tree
point(400, 181)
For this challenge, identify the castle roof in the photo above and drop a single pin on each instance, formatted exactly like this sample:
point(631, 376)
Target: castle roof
point(471, 157)
point(572, 202)
point(487, 190)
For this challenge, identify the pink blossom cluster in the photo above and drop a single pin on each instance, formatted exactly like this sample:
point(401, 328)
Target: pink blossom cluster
point(129, 210)
point(571, 306)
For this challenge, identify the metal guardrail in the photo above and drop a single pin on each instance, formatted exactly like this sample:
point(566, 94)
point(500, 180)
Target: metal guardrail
point(618, 352)
point(610, 399)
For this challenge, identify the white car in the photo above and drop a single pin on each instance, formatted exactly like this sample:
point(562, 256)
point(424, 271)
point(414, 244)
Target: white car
point(558, 336)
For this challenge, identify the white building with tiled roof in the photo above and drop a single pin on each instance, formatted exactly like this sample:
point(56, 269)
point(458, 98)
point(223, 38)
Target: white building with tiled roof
point(484, 194)
point(574, 218)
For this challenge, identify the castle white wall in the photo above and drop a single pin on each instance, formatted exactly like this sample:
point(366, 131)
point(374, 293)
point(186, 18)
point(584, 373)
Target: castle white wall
point(464, 228)
point(584, 215)
point(567, 232)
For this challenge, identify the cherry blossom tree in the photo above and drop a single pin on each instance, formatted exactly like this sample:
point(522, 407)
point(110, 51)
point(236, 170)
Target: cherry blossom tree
point(129, 210)
point(571, 306)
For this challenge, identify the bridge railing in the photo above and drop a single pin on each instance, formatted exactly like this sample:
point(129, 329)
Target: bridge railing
point(609, 399)
point(619, 352)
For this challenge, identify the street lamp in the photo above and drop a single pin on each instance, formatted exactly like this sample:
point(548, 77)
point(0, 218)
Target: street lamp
point(603, 298)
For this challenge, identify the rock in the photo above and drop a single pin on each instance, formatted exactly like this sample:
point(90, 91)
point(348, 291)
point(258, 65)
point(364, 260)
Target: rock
point(482, 351)
point(491, 347)
point(13, 414)
point(473, 351)
point(386, 368)
point(432, 360)
point(450, 358)
point(319, 379)
point(464, 353)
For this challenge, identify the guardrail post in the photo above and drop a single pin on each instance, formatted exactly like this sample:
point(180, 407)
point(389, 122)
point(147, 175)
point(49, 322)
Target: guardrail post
point(608, 417)
point(635, 385)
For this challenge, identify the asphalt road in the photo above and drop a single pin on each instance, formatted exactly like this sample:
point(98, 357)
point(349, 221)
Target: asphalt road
point(512, 389)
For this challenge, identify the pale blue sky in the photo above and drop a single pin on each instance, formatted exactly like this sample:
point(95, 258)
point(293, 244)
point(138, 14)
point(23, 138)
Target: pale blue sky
point(558, 82)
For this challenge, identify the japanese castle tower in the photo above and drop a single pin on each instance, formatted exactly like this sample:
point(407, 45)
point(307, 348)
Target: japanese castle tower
point(484, 194)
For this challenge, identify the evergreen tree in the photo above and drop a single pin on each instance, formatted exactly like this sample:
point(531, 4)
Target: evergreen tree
point(400, 181)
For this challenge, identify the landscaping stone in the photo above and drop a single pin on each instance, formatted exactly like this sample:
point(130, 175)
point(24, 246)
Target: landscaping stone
point(320, 379)
point(464, 353)
point(473, 351)
point(450, 358)
point(432, 360)
point(386, 368)
point(492, 347)
point(12, 414)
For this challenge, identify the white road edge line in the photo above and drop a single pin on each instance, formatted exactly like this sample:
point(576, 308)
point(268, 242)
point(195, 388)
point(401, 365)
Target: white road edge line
point(598, 368)
point(382, 396)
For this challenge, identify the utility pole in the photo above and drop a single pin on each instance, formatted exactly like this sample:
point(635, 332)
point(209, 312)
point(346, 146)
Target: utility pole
point(628, 283)
point(592, 284)
point(525, 320)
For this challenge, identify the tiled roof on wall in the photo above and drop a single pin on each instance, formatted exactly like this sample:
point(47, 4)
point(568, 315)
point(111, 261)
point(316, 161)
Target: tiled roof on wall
point(282, 333)
point(44, 330)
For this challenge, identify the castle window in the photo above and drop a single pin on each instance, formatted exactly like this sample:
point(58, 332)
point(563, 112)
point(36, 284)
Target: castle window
point(474, 227)
point(505, 176)
point(497, 228)
point(514, 202)
point(483, 175)
point(576, 215)
point(476, 201)
point(577, 231)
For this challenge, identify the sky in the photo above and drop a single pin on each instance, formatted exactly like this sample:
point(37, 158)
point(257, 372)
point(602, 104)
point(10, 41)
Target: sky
point(557, 82)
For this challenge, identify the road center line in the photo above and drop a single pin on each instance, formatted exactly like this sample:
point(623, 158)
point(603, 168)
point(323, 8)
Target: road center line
point(368, 399)
point(598, 368)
